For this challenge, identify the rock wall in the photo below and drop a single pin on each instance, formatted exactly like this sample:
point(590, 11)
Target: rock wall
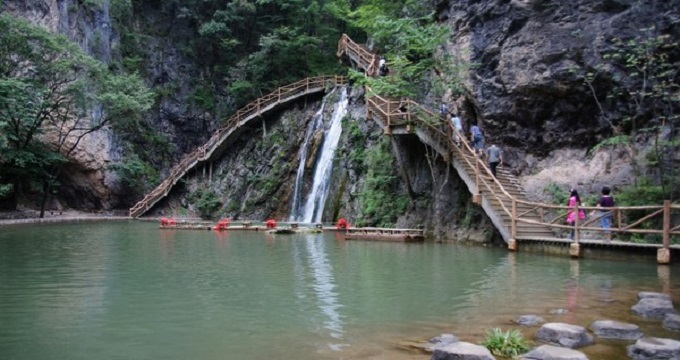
point(526, 87)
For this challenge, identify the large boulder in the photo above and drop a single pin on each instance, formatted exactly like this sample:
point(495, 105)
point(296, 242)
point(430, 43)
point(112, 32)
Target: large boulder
point(462, 351)
point(650, 348)
point(549, 352)
point(609, 329)
point(565, 335)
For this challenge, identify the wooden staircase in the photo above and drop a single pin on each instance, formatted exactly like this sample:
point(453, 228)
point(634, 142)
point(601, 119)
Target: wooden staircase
point(223, 136)
point(502, 198)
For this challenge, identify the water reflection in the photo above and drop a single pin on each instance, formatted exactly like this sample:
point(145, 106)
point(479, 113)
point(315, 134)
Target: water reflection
point(323, 285)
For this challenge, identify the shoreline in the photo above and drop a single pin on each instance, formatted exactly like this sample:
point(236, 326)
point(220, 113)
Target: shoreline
point(65, 219)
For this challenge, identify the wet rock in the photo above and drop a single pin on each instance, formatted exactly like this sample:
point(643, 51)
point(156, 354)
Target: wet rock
point(653, 295)
point(653, 307)
point(529, 320)
point(608, 329)
point(650, 348)
point(559, 311)
point(566, 335)
point(672, 321)
point(443, 340)
point(462, 351)
point(549, 352)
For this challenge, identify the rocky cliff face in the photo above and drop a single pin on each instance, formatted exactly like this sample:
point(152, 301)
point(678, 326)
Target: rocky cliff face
point(526, 88)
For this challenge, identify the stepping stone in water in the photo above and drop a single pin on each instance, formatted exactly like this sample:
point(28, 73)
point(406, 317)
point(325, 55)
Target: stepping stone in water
point(565, 335)
point(653, 307)
point(653, 295)
point(649, 348)
point(549, 352)
point(529, 320)
point(672, 322)
point(608, 329)
point(462, 351)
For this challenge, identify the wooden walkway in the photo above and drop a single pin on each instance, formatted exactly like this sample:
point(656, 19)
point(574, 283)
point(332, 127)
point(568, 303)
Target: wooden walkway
point(214, 147)
point(503, 198)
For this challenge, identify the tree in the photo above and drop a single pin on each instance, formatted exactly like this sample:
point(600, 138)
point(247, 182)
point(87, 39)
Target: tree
point(52, 95)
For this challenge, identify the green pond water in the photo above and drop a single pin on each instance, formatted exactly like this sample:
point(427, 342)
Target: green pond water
point(128, 290)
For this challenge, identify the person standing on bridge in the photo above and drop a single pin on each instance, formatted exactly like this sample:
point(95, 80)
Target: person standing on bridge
point(574, 201)
point(495, 157)
point(605, 203)
point(383, 70)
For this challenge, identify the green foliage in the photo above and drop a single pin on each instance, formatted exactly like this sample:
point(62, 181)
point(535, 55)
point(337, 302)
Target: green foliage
point(406, 33)
point(357, 141)
point(612, 141)
point(558, 194)
point(380, 203)
point(50, 89)
point(508, 344)
point(136, 176)
point(206, 201)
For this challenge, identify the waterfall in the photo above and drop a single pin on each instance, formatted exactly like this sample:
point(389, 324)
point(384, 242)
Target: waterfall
point(317, 122)
point(323, 169)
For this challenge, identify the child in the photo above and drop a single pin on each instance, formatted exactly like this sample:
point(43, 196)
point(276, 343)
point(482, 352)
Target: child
point(606, 215)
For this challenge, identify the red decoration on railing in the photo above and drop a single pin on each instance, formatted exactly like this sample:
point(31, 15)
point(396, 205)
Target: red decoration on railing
point(168, 222)
point(342, 224)
point(223, 224)
point(270, 224)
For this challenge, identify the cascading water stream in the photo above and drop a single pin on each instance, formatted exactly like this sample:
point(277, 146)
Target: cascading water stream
point(317, 122)
point(323, 170)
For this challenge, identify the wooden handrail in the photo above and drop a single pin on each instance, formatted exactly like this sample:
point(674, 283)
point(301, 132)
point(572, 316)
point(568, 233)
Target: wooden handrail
point(396, 112)
point(255, 107)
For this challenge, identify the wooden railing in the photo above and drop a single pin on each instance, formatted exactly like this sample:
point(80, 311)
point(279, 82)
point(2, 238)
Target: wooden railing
point(359, 54)
point(660, 222)
point(210, 148)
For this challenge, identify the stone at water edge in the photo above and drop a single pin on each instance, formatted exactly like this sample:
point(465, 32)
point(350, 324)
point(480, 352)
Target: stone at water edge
point(609, 329)
point(442, 340)
point(566, 335)
point(529, 320)
point(462, 351)
point(649, 348)
point(549, 352)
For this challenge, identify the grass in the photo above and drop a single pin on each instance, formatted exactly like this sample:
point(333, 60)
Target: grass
point(510, 344)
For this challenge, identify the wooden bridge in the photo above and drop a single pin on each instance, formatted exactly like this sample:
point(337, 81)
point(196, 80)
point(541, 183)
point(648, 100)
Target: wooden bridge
point(223, 136)
point(502, 198)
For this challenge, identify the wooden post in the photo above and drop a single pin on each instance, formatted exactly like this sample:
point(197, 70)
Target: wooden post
point(477, 198)
point(210, 172)
point(577, 233)
point(663, 255)
point(513, 220)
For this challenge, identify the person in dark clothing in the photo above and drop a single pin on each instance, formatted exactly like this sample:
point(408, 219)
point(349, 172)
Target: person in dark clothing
point(495, 157)
point(605, 203)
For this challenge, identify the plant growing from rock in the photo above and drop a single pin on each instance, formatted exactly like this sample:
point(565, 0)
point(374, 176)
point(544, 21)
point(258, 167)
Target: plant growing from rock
point(510, 343)
point(643, 97)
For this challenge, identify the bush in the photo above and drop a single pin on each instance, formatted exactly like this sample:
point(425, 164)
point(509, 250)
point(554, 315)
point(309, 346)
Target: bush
point(207, 202)
point(509, 344)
